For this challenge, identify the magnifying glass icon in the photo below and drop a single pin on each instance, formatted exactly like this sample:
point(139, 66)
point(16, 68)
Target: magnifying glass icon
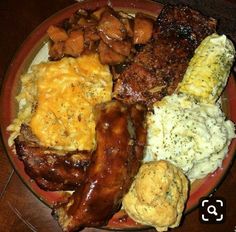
point(211, 209)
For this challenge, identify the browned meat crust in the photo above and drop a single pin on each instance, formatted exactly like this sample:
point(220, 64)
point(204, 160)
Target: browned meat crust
point(160, 66)
point(121, 137)
point(51, 169)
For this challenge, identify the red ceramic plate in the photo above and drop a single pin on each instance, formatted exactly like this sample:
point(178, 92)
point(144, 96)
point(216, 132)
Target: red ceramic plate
point(33, 45)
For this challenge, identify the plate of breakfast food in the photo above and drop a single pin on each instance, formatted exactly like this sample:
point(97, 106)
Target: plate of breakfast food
point(119, 114)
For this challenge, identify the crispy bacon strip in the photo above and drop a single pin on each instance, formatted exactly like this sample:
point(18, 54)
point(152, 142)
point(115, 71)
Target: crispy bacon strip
point(121, 137)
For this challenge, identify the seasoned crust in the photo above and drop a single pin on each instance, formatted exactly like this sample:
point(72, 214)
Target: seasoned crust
point(164, 60)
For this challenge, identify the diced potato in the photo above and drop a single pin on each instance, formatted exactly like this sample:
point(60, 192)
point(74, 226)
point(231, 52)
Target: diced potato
point(83, 22)
point(57, 34)
point(112, 26)
point(142, 29)
point(98, 13)
point(109, 56)
point(91, 34)
point(128, 26)
point(121, 47)
point(56, 51)
point(74, 45)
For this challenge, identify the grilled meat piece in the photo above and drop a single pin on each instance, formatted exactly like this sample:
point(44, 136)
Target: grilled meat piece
point(160, 65)
point(121, 137)
point(52, 170)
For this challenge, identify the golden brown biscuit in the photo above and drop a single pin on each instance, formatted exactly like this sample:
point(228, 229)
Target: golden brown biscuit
point(157, 196)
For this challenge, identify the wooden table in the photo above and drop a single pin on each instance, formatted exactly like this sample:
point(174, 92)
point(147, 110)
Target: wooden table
point(20, 210)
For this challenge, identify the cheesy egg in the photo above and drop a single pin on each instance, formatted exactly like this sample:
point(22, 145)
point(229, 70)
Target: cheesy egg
point(67, 91)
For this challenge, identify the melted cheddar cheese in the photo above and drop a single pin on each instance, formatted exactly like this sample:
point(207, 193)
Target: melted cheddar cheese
point(67, 91)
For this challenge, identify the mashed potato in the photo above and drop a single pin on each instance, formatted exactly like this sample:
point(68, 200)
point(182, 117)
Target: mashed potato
point(57, 100)
point(157, 196)
point(193, 136)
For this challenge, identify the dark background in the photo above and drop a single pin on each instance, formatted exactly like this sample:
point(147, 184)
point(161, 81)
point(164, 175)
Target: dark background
point(20, 210)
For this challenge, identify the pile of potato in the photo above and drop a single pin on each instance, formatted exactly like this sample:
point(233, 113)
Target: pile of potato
point(112, 34)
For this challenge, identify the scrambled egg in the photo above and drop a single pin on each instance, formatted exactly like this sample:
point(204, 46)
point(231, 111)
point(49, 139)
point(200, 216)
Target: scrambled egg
point(67, 91)
point(193, 136)
point(157, 196)
point(208, 70)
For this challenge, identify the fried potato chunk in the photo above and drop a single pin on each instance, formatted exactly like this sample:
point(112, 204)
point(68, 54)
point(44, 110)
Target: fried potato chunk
point(157, 196)
point(143, 28)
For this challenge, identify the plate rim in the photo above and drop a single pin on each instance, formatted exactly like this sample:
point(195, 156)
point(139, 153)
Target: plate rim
point(32, 38)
